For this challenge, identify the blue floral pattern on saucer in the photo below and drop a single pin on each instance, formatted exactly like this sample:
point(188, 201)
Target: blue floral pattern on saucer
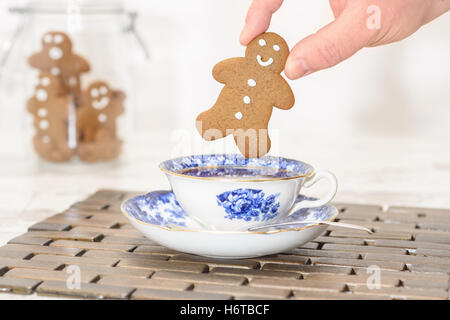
point(157, 207)
point(248, 204)
point(160, 208)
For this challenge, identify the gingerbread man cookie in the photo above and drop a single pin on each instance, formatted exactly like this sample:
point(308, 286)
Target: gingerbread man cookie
point(50, 108)
point(253, 86)
point(57, 58)
point(96, 122)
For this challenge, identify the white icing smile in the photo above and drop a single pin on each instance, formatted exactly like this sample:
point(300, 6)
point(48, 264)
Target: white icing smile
point(264, 63)
point(100, 104)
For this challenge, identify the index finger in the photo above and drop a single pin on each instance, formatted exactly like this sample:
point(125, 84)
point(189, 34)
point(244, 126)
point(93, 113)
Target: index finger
point(258, 18)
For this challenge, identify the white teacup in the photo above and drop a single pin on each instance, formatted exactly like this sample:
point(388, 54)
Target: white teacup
point(229, 192)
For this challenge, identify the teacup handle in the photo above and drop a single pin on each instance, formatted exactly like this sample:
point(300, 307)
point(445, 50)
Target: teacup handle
point(311, 180)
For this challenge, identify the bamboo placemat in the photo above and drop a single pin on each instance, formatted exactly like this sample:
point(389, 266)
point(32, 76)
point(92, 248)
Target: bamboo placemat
point(407, 257)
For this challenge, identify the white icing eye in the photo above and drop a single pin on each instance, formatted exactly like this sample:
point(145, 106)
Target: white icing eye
point(48, 38)
point(45, 139)
point(276, 47)
point(94, 93)
point(55, 71)
point(41, 95)
point(262, 42)
point(58, 38)
point(102, 117)
point(247, 100)
point(103, 90)
point(238, 115)
point(72, 81)
point(43, 124)
point(45, 81)
point(55, 53)
point(42, 112)
point(251, 82)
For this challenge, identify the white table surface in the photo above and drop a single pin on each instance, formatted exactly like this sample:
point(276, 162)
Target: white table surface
point(376, 170)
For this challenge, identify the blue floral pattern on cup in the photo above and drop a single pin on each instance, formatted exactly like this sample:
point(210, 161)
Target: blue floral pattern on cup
point(248, 204)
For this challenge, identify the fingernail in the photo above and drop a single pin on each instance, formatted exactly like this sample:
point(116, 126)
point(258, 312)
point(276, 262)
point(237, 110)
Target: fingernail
point(297, 68)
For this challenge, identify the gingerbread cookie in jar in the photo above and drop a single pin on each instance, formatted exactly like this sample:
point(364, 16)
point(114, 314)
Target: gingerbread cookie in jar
point(50, 106)
point(96, 122)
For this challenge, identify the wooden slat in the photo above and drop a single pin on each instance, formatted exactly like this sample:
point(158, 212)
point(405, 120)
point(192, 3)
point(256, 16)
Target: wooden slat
point(236, 291)
point(160, 294)
point(31, 264)
point(124, 281)
point(18, 285)
point(247, 264)
point(256, 273)
point(92, 245)
point(86, 290)
point(35, 274)
point(163, 265)
point(200, 277)
point(35, 249)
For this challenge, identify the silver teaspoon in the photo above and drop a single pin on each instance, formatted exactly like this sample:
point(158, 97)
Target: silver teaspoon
point(336, 224)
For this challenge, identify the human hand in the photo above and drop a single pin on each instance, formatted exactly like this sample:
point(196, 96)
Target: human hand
point(357, 24)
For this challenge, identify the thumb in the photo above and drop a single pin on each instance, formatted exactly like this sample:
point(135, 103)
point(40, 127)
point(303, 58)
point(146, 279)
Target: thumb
point(330, 45)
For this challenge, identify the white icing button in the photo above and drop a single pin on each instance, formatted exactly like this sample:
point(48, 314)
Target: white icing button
point(45, 81)
point(58, 38)
point(55, 71)
point(48, 38)
point(43, 124)
point(246, 99)
point(45, 139)
point(238, 115)
point(94, 93)
point(102, 117)
point(41, 95)
point(103, 90)
point(55, 53)
point(72, 81)
point(276, 47)
point(251, 82)
point(262, 42)
point(42, 112)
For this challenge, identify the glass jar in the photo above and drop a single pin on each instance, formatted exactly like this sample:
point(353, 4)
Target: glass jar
point(66, 64)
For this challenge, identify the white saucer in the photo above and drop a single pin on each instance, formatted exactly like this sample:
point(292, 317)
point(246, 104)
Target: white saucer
point(160, 218)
